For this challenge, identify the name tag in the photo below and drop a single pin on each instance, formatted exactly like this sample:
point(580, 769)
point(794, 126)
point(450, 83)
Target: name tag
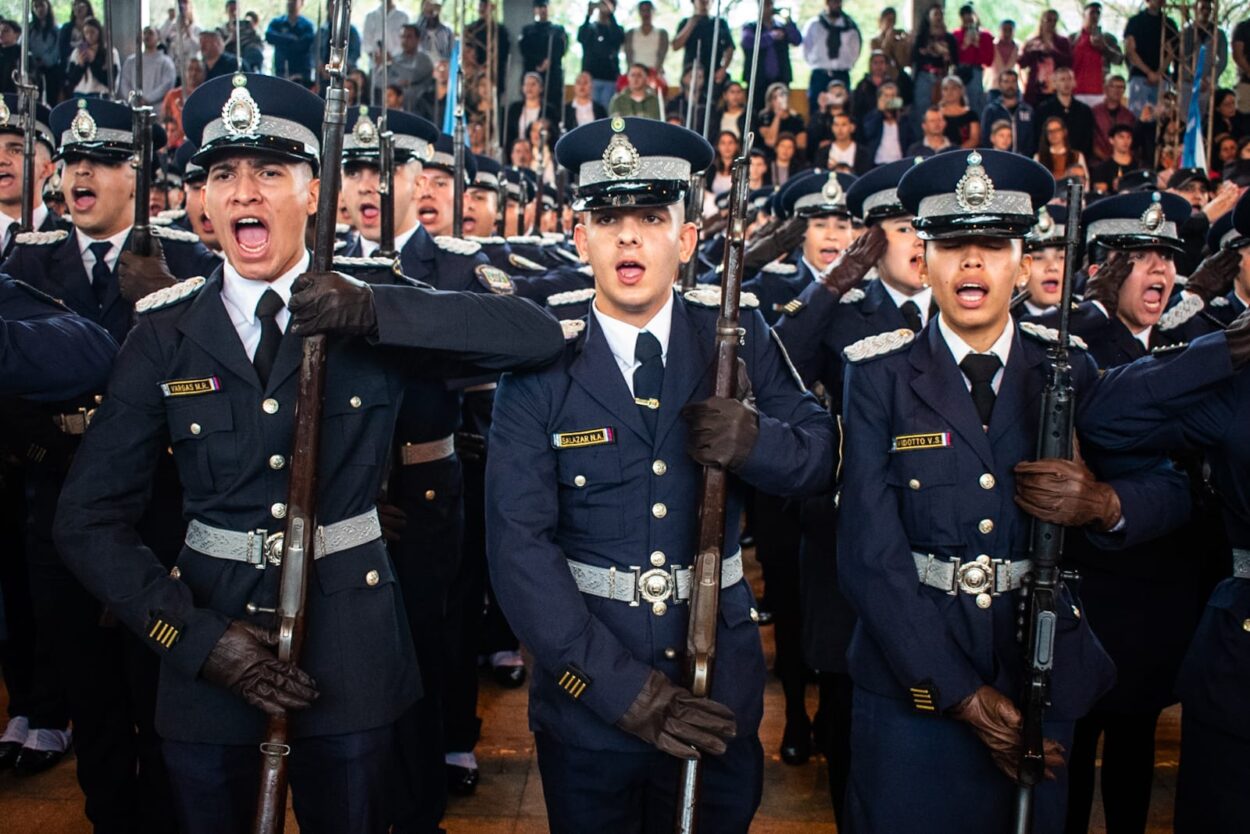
point(578, 439)
point(933, 440)
point(190, 387)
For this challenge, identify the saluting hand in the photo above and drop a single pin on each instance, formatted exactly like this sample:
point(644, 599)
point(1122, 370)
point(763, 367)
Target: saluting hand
point(1104, 285)
point(1215, 275)
point(331, 302)
point(853, 264)
point(138, 276)
point(242, 661)
point(767, 247)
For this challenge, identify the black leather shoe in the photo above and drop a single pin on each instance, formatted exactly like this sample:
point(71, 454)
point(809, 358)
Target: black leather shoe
point(462, 781)
point(796, 742)
point(9, 751)
point(509, 677)
point(29, 762)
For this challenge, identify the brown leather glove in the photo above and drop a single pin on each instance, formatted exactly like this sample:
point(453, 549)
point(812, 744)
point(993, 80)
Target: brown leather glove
point(853, 264)
point(675, 721)
point(1104, 285)
point(331, 302)
point(243, 663)
point(714, 226)
point(138, 276)
point(393, 520)
point(769, 226)
point(996, 721)
point(722, 432)
point(1215, 275)
point(765, 249)
point(1066, 492)
point(1237, 335)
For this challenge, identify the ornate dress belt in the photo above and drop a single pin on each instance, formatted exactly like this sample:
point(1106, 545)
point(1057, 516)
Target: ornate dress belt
point(260, 547)
point(984, 577)
point(658, 586)
point(413, 453)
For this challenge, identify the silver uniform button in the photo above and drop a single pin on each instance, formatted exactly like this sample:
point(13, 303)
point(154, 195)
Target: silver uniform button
point(195, 428)
point(670, 653)
point(659, 510)
point(175, 572)
point(914, 484)
point(659, 467)
point(278, 510)
point(355, 402)
point(984, 600)
point(986, 481)
point(269, 406)
point(276, 461)
point(579, 480)
point(371, 578)
point(985, 526)
point(657, 559)
point(658, 609)
point(755, 616)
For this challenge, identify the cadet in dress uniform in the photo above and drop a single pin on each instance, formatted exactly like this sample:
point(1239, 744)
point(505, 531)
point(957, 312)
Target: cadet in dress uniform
point(207, 371)
point(1040, 291)
point(47, 352)
point(930, 543)
point(1223, 235)
point(592, 504)
point(193, 178)
point(11, 155)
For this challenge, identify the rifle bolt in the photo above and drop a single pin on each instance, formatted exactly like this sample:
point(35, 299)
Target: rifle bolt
point(254, 609)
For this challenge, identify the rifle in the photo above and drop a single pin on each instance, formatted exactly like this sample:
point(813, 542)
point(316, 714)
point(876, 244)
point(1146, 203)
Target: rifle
point(1037, 602)
point(28, 98)
point(457, 138)
point(302, 491)
point(108, 47)
point(386, 166)
point(141, 121)
point(705, 591)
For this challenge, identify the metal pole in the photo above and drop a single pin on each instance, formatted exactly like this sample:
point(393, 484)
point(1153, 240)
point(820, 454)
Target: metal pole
point(712, 62)
point(108, 46)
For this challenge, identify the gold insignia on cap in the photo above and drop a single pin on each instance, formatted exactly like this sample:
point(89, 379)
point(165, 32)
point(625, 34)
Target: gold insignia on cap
point(83, 126)
point(1044, 221)
point(975, 189)
point(832, 189)
point(366, 132)
point(620, 158)
point(4, 112)
point(240, 113)
point(1152, 218)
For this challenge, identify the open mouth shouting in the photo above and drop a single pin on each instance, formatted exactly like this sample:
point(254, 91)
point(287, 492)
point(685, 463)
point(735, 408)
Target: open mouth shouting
point(630, 271)
point(829, 254)
point(971, 293)
point(82, 198)
point(469, 224)
point(370, 214)
point(1153, 298)
point(1051, 286)
point(428, 215)
point(7, 178)
point(252, 236)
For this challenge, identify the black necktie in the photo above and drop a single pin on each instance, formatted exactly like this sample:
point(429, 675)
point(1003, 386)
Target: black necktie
point(648, 378)
point(101, 275)
point(911, 315)
point(270, 334)
point(980, 369)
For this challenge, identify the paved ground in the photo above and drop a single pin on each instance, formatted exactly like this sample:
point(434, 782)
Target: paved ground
point(509, 799)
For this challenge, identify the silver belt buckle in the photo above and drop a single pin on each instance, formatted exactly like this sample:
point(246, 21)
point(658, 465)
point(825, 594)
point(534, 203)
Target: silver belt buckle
point(656, 586)
point(976, 577)
point(273, 548)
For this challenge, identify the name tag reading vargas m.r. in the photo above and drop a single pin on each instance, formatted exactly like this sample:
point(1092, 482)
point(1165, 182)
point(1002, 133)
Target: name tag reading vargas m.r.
point(578, 439)
point(190, 387)
point(910, 442)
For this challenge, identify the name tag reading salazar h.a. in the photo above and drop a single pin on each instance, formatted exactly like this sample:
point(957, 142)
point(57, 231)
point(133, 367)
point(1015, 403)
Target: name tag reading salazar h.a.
point(190, 387)
point(910, 442)
point(578, 439)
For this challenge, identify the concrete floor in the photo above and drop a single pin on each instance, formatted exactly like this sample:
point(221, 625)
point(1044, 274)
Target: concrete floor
point(509, 799)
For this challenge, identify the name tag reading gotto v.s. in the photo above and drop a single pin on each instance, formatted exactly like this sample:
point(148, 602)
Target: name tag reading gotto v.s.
point(190, 387)
point(910, 442)
point(578, 439)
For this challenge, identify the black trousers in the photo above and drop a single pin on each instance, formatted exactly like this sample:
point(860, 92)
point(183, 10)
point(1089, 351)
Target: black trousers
point(339, 784)
point(608, 792)
point(1211, 783)
point(777, 537)
point(1128, 769)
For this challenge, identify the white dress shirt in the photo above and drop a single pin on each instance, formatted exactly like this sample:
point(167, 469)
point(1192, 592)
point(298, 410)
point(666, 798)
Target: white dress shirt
point(241, 295)
point(623, 338)
point(923, 299)
point(890, 149)
point(111, 256)
point(816, 49)
point(959, 349)
point(368, 247)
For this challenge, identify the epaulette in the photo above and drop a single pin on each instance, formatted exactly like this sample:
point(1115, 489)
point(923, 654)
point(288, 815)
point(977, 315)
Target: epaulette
point(160, 221)
point(493, 240)
point(363, 263)
point(494, 279)
point(1182, 311)
point(41, 238)
point(522, 262)
point(342, 228)
point(571, 257)
point(172, 233)
point(456, 246)
point(570, 297)
point(1050, 335)
point(709, 296)
point(572, 328)
point(1220, 301)
point(853, 296)
point(167, 296)
point(778, 268)
point(172, 214)
point(1169, 348)
point(340, 244)
point(535, 239)
point(879, 344)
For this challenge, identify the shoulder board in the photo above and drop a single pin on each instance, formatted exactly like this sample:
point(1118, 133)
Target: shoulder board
point(1050, 336)
point(525, 263)
point(525, 239)
point(340, 244)
point(456, 246)
point(171, 233)
point(1220, 301)
point(494, 279)
point(38, 294)
point(572, 328)
point(709, 296)
point(41, 238)
point(168, 296)
point(1169, 348)
point(493, 240)
point(853, 296)
point(572, 257)
point(363, 263)
point(880, 344)
point(570, 297)
point(342, 228)
point(1182, 311)
point(172, 214)
point(870, 275)
point(779, 268)
point(160, 221)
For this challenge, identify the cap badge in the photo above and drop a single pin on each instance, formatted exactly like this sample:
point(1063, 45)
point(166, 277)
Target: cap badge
point(366, 132)
point(975, 189)
point(1045, 223)
point(832, 189)
point(83, 126)
point(1152, 218)
point(618, 124)
point(620, 158)
point(240, 113)
point(4, 112)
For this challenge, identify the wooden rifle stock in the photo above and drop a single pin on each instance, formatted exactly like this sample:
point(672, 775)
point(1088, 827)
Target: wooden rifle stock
point(297, 550)
point(1038, 597)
